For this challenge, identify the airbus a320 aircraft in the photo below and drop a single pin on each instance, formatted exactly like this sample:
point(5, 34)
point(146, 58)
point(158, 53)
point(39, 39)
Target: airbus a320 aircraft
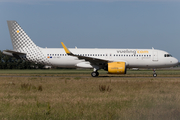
point(115, 61)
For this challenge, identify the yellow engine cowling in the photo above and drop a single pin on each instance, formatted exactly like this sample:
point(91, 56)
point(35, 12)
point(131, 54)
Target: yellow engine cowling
point(117, 68)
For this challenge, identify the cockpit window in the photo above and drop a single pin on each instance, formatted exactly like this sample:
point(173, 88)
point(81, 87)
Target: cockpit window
point(167, 55)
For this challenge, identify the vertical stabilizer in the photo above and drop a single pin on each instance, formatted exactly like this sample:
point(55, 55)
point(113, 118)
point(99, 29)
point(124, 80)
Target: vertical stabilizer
point(20, 40)
point(22, 43)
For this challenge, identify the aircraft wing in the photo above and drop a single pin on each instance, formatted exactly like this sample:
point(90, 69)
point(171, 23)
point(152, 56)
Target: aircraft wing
point(86, 58)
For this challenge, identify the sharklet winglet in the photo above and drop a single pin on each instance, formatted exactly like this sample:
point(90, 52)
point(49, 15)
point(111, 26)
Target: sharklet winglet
point(66, 49)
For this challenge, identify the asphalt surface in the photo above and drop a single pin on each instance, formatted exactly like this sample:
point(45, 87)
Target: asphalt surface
point(88, 76)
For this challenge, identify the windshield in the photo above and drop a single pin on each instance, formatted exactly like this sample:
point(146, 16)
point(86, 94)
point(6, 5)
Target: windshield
point(167, 55)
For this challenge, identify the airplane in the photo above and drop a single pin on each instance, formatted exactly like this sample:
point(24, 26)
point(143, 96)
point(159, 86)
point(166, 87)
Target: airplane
point(115, 61)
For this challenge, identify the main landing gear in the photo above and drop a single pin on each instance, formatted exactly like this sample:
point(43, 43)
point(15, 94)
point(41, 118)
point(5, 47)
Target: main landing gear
point(154, 74)
point(95, 73)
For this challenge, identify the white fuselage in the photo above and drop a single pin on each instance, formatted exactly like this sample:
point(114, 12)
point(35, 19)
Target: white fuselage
point(113, 60)
point(134, 58)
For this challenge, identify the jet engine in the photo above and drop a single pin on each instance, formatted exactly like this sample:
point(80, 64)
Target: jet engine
point(116, 68)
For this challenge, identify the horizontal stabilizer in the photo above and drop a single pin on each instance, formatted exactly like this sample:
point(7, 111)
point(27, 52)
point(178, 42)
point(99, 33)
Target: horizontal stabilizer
point(12, 52)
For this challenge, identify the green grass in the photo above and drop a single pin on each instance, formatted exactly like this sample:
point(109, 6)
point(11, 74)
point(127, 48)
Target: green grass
point(44, 71)
point(87, 72)
point(77, 96)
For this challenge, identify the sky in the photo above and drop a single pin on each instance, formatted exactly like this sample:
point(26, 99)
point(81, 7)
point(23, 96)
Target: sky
point(141, 24)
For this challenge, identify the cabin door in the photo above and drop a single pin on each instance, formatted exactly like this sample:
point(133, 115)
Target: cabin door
point(155, 56)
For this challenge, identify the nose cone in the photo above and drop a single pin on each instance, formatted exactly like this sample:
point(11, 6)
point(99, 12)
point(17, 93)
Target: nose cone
point(175, 62)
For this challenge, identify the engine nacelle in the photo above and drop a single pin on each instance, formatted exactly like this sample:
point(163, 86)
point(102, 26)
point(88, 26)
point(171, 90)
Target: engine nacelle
point(117, 68)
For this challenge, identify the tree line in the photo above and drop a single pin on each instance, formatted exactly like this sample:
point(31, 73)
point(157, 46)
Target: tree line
point(8, 62)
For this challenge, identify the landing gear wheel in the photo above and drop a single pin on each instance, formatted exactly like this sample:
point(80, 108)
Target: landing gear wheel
point(97, 74)
point(94, 74)
point(154, 75)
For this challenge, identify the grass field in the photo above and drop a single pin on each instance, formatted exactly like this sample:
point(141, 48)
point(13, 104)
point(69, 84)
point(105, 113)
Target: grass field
point(73, 94)
point(87, 72)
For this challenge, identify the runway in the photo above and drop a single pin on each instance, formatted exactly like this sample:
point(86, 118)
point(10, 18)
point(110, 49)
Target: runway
point(88, 76)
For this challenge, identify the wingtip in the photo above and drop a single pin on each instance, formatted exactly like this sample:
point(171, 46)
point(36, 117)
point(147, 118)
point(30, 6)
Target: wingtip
point(65, 48)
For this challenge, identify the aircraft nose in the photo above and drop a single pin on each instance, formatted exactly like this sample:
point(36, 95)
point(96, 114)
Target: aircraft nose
point(175, 61)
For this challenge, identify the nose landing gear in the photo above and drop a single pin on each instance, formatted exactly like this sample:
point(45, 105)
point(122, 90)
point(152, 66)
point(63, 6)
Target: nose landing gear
point(154, 74)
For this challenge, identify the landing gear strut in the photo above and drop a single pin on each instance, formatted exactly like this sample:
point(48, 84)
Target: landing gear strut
point(95, 73)
point(154, 74)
